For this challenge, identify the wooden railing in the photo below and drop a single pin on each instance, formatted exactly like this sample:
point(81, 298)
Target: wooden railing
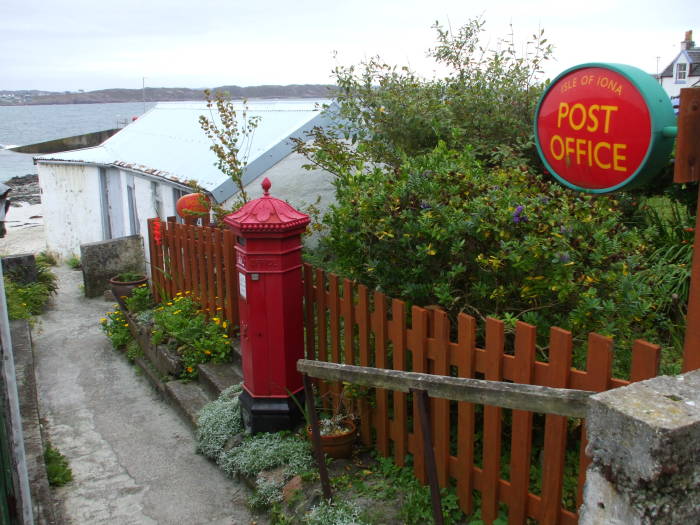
point(346, 323)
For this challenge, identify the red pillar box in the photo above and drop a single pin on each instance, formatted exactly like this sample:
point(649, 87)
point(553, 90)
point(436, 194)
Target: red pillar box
point(268, 259)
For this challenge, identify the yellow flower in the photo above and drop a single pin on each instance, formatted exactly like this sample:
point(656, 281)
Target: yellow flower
point(207, 352)
point(169, 304)
point(189, 369)
point(225, 336)
point(126, 324)
point(224, 324)
point(178, 293)
point(103, 320)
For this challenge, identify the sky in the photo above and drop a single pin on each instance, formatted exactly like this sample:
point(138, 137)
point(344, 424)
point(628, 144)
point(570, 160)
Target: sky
point(57, 45)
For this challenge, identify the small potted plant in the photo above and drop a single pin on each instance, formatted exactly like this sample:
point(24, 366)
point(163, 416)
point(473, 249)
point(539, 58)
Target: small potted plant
point(337, 426)
point(123, 284)
point(338, 434)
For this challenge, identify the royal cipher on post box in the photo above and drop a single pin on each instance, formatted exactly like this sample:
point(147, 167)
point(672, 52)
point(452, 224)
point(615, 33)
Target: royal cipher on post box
point(270, 298)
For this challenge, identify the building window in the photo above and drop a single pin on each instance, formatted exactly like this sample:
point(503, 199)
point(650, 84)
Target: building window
point(133, 210)
point(157, 202)
point(681, 72)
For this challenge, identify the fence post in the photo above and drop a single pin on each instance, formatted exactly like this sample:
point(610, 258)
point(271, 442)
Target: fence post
point(644, 443)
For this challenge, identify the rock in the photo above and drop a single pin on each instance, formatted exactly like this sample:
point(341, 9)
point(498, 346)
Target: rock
point(291, 488)
point(25, 188)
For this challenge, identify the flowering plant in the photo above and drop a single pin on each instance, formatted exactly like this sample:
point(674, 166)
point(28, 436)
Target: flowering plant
point(182, 323)
point(116, 328)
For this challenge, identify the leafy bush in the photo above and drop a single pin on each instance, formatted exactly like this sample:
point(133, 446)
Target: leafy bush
point(218, 421)
point(441, 229)
point(485, 101)
point(25, 300)
point(115, 326)
point(198, 340)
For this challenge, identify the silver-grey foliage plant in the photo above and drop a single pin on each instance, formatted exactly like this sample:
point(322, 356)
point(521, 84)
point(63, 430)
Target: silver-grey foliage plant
point(265, 452)
point(219, 421)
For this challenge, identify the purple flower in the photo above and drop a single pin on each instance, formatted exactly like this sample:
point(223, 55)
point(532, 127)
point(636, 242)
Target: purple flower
point(564, 258)
point(518, 216)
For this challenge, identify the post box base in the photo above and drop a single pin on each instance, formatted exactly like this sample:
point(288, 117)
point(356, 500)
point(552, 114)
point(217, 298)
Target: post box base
point(270, 414)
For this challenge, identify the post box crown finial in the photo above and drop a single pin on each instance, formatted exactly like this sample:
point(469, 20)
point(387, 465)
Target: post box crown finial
point(266, 184)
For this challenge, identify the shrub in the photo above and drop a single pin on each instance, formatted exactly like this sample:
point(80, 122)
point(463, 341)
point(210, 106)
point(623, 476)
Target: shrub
point(441, 229)
point(485, 101)
point(25, 300)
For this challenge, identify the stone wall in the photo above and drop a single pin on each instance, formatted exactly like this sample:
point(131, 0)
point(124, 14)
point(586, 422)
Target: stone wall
point(105, 259)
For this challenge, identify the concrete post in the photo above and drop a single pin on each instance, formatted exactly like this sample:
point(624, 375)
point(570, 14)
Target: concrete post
point(644, 442)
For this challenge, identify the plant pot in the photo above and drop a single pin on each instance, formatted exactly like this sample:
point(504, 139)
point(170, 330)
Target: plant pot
point(338, 445)
point(122, 289)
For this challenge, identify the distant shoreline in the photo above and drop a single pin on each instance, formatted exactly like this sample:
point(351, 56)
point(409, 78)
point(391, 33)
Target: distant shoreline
point(110, 96)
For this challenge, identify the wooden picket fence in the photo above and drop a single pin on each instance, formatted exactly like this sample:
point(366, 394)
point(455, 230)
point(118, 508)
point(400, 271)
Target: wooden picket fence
point(195, 259)
point(346, 323)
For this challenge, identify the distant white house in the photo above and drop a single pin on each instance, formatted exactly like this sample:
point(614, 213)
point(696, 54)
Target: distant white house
point(683, 71)
point(111, 190)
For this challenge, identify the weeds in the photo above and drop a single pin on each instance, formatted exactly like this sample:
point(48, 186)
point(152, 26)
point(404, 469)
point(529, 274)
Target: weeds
point(57, 469)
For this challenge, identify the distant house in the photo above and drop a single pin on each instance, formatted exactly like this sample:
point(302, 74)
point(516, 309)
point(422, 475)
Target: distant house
point(111, 190)
point(683, 71)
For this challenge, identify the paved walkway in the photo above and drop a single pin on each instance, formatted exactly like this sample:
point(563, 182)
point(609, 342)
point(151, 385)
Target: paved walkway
point(132, 458)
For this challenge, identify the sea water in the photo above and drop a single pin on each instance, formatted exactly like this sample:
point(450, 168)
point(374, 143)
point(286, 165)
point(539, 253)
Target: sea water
point(22, 125)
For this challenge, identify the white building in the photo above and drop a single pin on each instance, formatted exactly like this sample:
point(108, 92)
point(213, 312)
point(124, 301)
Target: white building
point(111, 190)
point(683, 71)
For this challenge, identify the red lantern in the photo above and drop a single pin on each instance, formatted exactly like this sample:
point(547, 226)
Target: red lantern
point(193, 205)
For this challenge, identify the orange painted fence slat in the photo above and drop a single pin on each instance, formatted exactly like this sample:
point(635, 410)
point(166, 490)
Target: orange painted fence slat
point(372, 335)
point(521, 441)
point(200, 260)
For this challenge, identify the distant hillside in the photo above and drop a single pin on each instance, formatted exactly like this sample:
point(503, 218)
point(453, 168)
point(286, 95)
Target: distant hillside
point(17, 98)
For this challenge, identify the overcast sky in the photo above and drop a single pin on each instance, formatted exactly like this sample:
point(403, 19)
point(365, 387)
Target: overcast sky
point(94, 44)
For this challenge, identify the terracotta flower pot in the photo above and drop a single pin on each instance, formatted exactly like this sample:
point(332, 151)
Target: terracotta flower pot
point(338, 445)
point(123, 289)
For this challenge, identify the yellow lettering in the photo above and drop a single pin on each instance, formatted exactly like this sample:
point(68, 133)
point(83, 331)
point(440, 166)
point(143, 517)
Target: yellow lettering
point(605, 166)
point(580, 107)
point(580, 149)
point(562, 113)
point(608, 110)
point(569, 146)
point(618, 157)
point(593, 127)
point(556, 140)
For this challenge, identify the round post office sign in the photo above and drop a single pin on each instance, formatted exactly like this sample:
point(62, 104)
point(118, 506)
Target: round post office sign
point(604, 127)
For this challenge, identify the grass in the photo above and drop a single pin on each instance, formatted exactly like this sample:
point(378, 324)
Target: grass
point(74, 263)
